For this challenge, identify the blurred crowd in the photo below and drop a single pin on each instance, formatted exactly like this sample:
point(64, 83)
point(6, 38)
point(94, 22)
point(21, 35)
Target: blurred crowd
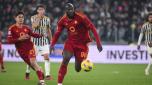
point(117, 21)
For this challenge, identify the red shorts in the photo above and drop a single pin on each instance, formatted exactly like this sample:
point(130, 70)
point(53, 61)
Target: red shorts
point(27, 54)
point(80, 50)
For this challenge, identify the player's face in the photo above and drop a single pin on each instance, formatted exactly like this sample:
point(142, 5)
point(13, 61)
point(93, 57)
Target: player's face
point(41, 11)
point(20, 19)
point(150, 18)
point(70, 11)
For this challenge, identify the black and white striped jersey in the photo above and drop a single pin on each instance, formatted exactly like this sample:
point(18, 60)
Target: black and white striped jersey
point(44, 25)
point(147, 31)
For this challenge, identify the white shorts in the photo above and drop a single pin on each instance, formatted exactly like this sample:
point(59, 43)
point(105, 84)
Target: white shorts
point(149, 49)
point(41, 50)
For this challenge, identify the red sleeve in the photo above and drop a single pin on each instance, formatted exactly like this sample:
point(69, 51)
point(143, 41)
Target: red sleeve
point(11, 37)
point(90, 25)
point(35, 35)
point(57, 33)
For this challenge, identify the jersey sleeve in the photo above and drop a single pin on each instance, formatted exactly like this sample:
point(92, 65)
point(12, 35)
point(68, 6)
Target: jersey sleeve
point(91, 26)
point(59, 28)
point(49, 23)
point(11, 38)
point(141, 34)
point(142, 29)
point(32, 19)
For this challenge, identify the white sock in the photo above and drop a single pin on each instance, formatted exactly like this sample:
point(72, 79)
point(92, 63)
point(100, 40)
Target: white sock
point(42, 81)
point(27, 69)
point(59, 83)
point(149, 64)
point(47, 67)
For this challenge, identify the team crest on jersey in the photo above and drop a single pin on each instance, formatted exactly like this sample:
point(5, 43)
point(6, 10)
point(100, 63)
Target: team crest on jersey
point(75, 22)
point(22, 33)
point(25, 30)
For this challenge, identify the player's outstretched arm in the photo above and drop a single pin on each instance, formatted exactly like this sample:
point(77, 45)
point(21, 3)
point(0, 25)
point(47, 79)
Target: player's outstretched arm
point(49, 33)
point(140, 37)
point(89, 24)
point(57, 34)
point(139, 40)
point(35, 35)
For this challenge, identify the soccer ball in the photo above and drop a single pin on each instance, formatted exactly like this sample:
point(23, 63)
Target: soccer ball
point(86, 65)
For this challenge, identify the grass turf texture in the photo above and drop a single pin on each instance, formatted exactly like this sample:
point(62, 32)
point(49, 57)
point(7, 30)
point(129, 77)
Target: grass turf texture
point(102, 74)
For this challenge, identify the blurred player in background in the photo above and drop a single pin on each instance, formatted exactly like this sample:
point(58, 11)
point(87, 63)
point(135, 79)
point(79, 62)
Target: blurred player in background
point(41, 25)
point(2, 68)
point(20, 35)
point(147, 31)
point(78, 27)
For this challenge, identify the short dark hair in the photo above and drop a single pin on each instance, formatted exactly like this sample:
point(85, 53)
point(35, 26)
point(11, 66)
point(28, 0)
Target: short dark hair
point(18, 13)
point(40, 6)
point(150, 13)
point(68, 4)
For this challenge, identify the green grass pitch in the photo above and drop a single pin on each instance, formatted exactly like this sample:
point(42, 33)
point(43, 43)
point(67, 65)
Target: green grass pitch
point(102, 74)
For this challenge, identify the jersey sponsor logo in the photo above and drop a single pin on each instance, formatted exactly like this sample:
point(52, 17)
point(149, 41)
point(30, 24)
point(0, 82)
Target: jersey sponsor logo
point(72, 29)
point(22, 33)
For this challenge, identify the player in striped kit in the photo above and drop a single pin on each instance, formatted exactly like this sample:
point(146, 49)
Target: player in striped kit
point(41, 25)
point(147, 31)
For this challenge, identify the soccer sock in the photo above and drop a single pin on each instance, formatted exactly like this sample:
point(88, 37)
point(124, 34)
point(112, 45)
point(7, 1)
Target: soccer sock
point(59, 84)
point(149, 64)
point(47, 67)
point(62, 73)
point(1, 62)
point(40, 75)
point(27, 69)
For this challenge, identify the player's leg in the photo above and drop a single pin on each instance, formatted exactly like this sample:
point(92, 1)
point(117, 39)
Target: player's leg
point(2, 62)
point(80, 55)
point(149, 49)
point(38, 70)
point(63, 68)
point(30, 58)
point(45, 51)
point(27, 74)
point(77, 65)
point(47, 66)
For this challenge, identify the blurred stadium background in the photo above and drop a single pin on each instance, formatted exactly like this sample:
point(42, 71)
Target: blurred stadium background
point(118, 23)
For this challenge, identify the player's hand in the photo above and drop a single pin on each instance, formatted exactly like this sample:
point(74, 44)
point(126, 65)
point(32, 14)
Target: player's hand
point(35, 24)
point(24, 37)
point(99, 48)
point(138, 47)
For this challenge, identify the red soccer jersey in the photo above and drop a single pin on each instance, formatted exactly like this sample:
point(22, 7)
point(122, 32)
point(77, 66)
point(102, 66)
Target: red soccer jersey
point(15, 32)
point(77, 28)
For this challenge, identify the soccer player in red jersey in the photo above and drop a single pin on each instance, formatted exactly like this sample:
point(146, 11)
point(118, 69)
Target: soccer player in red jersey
point(78, 27)
point(2, 68)
point(20, 35)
